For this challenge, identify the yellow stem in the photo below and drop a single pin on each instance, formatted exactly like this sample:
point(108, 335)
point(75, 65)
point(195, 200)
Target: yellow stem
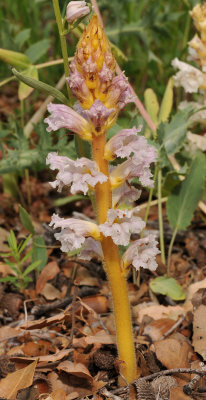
point(117, 280)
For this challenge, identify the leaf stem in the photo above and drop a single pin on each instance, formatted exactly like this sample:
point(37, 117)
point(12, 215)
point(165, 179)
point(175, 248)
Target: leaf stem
point(160, 217)
point(170, 249)
point(62, 39)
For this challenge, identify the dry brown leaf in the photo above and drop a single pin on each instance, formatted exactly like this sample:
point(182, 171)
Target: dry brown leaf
point(156, 329)
point(98, 303)
point(49, 358)
point(6, 332)
point(157, 311)
point(3, 238)
point(173, 352)
point(101, 337)
point(17, 380)
point(5, 270)
point(48, 273)
point(50, 292)
point(199, 331)
point(41, 323)
point(77, 369)
point(193, 288)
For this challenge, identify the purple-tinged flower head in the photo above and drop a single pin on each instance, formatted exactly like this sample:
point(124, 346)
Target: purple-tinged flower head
point(119, 93)
point(99, 116)
point(81, 174)
point(74, 232)
point(122, 144)
point(75, 10)
point(89, 69)
point(79, 88)
point(65, 117)
point(91, 248)
point(125, 194)
point(141, 253)
point(121, 224)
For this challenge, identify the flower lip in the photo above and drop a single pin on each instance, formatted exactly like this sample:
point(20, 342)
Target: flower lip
point(120, 224)
point(98, 115)
point(122, 144)
point(142, 253)
point(63, 116)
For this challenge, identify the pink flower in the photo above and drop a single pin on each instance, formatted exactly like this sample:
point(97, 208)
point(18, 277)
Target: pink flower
point(75, 10)
point(124, 143)
point(73, 232)
point(142, 253)
point(126, 194)
point(137, 165)
point(119, 92)
point(91, 248)
point(65, 117)
point(80, 174)
point(98, 115)
point(79, 88)
point(120, 224)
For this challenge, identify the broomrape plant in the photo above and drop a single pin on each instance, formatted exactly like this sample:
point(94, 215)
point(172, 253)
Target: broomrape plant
point(101, 95)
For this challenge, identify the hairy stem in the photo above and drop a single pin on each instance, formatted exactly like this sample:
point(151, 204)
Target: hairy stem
point(118, 283)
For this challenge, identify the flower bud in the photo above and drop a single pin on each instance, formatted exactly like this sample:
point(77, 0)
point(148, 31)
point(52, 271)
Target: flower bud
point(75, 10)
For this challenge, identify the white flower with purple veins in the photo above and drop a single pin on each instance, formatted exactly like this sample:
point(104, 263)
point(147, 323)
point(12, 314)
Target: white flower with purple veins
point(75, 10)
point(91, 248)
point(190, 78)
point(65, 117)
point(136, 166)
point(142, 253)
point(98, 114)
point(121, 224)
point(124, 143)
point(74, 232)
point(126, 194)
point(80, 174)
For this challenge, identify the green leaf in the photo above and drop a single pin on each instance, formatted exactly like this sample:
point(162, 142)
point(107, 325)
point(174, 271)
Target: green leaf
point(22, 37)
point(184, 199)
point(22, 245)
point(25, 90)
point(44, 87)
point(151, 104)
point(174, 133)
point(37, 50)
point(39, 252)
point(69, 199)
point(31, 267)
point(167, 102)
point(168, 287)
point(26, 220)
point(17, 60)
point(12, 241)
